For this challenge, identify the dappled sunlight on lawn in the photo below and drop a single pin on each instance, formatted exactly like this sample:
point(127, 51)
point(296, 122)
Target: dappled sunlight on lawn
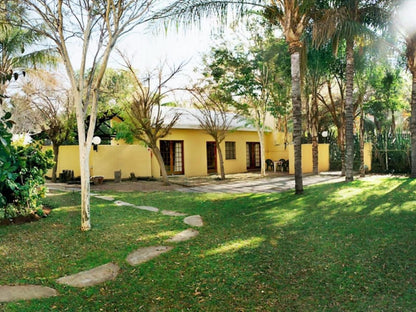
point(283, 216)
point(236, 245)
point(408, 206)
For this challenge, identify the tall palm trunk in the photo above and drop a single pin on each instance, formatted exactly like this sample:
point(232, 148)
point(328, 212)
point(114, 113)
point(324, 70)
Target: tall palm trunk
point(362, 166)
point(297, 118)
point(314, 118)
point(349, 112)
point(413, 122)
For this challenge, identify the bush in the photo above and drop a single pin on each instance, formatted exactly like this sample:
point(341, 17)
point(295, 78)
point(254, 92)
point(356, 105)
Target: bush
point(22, 170)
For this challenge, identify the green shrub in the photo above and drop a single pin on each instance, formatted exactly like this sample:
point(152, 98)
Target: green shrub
point(22, 170)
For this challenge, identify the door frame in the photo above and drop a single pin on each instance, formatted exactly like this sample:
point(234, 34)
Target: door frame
point(213, 155)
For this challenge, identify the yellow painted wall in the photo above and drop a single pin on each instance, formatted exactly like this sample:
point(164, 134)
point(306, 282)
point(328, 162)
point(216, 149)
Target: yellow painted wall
point(127, 158)
point(307, 160)
point(368, 149)
point(139, 160)
point(275, 147)
point(194, 148)
point(68, 160)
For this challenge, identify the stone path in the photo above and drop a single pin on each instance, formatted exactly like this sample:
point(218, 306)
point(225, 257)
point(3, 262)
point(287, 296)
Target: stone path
point(107, 271)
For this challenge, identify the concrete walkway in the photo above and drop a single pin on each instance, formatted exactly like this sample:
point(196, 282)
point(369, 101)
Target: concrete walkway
point(264, 185)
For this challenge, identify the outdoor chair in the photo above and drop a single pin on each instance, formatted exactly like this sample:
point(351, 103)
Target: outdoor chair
point(284, 164)
point(269, 164)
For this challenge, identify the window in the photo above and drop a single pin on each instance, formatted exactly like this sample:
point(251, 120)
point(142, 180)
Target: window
point(230, 150)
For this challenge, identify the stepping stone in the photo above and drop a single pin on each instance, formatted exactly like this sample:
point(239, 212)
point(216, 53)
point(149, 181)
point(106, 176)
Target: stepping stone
point(183, 236)
point(121, 203)
point(173, 213)
point(144, 254)
point(194, 220)
point(109, 198)
point(25, 292)
point(91, 277)
point(148, 208)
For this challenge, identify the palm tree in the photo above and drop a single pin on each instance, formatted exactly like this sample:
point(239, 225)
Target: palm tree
point(404, 22)
point(14, 41)
point(349, 20)
point(291, 15)
point(411, 63)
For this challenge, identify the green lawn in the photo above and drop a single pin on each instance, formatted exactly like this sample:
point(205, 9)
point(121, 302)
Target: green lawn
point(340, 247)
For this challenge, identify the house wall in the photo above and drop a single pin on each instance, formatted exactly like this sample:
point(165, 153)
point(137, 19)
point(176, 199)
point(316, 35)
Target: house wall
point(323, 157)
point(307, 159)
point(276, 149)
point(139, 160)
point(106, 160)
point(194, 149)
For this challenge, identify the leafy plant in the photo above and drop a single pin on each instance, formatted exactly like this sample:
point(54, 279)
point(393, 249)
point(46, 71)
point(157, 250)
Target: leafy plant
point(22, 170)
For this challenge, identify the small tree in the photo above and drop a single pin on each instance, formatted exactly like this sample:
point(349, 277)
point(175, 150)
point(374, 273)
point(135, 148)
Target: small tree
point(148, 122)
point(51, 107)
point(95, 26)
point(214, 117)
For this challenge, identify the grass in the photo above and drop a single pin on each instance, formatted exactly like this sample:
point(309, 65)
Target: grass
point(339, 247)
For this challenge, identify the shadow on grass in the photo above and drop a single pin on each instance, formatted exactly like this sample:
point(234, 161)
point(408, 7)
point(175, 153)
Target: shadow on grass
point(339, 247)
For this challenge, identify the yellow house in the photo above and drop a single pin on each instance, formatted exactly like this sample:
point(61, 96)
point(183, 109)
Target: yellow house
point(188, 150)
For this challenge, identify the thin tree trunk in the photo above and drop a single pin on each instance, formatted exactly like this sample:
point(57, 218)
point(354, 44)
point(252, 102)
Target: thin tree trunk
point(314, 118)
point(84, 152)
point(413, 124)
point(55, 148)
point(393, 124)
point(362, 165)
point(159, 158)
point(262, 154)
point(297, 119)
point(349, 113)
point(222, 169)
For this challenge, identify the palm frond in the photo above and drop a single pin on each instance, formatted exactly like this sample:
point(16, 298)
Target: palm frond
point(191, 12)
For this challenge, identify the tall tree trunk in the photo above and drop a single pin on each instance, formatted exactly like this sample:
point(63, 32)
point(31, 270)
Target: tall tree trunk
point(55, 148)
point(159, 158)
point(393, 124)
point(349, 112)
point(222, 169)
point(84, 152)
point(262, 153)
point(413, 123)
point(362, 165)
point(314, 118)
point(297, 118)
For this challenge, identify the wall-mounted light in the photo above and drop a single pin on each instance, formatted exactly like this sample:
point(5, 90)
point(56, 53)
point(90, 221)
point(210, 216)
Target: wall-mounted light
point(95, 142)
point(324, 134)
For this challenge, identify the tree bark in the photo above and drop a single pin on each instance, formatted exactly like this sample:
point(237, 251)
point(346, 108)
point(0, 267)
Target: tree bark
point(349, 112)
point(315, 151)
point(220, 156)
point(262, 154)
point(84, 152)
point(413, 124)
point(55, 148)
point(297, 119)
point(362, 165)
point(159, 158)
